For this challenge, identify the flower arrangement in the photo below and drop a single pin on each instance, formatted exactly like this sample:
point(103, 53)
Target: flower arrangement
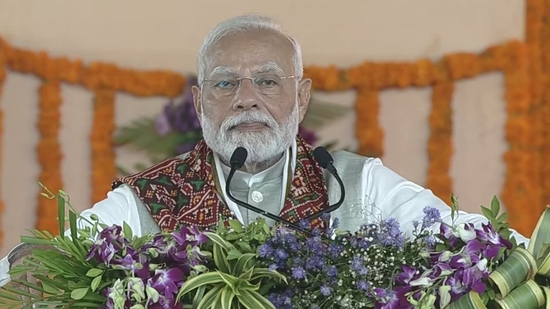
point(177, 129)
point(441, 265)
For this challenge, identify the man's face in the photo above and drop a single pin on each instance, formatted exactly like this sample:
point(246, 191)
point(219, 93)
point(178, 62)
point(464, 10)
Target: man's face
point(249, 97)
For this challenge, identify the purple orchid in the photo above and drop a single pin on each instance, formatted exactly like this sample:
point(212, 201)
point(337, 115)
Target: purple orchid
point(388, 299)
point(190, 236)
point(167, 281)
point(102, 251)
point(166, 303)
point(408, 274)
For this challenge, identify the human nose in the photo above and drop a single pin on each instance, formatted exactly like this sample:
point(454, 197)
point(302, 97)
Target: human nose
point(246, 96)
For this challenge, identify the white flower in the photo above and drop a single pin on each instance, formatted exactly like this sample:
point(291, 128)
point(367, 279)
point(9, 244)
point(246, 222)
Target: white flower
point(444, 296)
point(466, 235)
point(428, 303)
point(422, 281)
point(152, 294)
point(445, 256)
point(136, 285)
point(482, 264)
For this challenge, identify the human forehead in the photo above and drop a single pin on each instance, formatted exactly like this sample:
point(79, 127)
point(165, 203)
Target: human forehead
point(269, 67)
point(252, 52)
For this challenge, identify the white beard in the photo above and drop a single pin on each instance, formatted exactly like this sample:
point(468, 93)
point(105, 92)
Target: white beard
point(262, 146)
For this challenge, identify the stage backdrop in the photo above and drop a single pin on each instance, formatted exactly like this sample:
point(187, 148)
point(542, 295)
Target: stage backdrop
point(433, 99)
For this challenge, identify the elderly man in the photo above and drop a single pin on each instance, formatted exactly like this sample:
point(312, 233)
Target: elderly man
point(252, 94)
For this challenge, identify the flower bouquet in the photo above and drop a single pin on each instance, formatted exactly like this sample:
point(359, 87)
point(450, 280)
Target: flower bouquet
point(91, 265)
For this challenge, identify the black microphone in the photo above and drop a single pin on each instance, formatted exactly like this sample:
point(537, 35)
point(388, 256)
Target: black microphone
point(325, 160)
point(237, 161)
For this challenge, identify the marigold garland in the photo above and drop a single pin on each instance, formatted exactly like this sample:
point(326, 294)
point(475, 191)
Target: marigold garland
point(49, 153)
point(544, 83)
point(368, 130)
point(103, 153)
point(3, 74)
point(537, 30)
point(440, 143)
point(102, 78)
point(369, 78)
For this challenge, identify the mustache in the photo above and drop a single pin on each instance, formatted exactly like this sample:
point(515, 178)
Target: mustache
point(248, 117)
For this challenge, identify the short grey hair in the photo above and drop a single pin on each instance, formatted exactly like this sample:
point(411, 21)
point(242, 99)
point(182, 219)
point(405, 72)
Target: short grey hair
point(243, 24)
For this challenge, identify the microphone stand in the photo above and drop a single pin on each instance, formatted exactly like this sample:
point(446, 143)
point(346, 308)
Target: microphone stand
point(332, 208)
point(258, 210)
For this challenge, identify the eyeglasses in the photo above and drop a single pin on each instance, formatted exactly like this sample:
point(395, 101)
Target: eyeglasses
point(228, 86)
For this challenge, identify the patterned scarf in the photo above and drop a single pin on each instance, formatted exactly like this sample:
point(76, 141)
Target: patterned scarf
point(183, 191)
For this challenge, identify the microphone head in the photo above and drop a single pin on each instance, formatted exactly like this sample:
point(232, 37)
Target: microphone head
point(238, 157)
point(322, 156)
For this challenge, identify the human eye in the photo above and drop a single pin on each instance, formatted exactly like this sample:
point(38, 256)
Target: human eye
point(225, 83)
point(267, 82)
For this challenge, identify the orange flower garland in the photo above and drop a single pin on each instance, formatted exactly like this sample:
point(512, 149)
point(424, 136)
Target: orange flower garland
point(440, 143)
point(537, 30)
point(49, 153)
point(3, 60)
point(102, 78)
point(522, 186)
point(103, 153)
point(545, 102)
point(369, 78)
point(370, 134)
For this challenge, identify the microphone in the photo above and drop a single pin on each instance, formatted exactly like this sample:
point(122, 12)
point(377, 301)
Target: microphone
point(237, 161)
point(325, 160)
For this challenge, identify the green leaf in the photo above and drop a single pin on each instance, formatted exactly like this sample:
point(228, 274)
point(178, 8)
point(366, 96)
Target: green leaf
point(220, 259)
point(487, 213)
point(8, 295)
point(503, 217)
point(226, 298)
point(61, 215)
point(79, 293)
point(230, 280)
point(217, 301)
point(267, 273)
point(236, 225)
point(209, 298)
point(243, 263)
point(244, 246)
point(198, 295)
point(253, 300)
point(94, 272)
point(233, 254)
point(30, 285)
point(19, 292)
point(219, 240)
point(95, 283)
point(50, 289)
point(127, 230)
point(495, 206)
point(200, 280)
point(35, 241)
point(73, 226)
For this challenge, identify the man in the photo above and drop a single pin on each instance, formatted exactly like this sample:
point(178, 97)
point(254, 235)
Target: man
point(251, 94)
